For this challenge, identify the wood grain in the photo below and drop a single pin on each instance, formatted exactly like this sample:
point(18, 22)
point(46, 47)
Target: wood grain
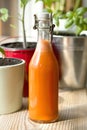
point(72, 114)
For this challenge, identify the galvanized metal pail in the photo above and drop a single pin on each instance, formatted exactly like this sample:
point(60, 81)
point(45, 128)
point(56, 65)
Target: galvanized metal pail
point(73, 56)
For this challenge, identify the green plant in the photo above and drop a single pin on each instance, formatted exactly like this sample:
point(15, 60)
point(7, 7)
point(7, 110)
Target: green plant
point(75, 16)
point(56, 7)
point(23, 4)
point(5, 15)
point(59, 7)
point(2, 51)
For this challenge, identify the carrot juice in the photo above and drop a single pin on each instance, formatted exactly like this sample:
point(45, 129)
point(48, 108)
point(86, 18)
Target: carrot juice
point(43, 83)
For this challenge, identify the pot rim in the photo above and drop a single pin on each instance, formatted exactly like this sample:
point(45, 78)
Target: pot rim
point(16, 49)
point(74, 36)
point(13, 40)
point(22, 62)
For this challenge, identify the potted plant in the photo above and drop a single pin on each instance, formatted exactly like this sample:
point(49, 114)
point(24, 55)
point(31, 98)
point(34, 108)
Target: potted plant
point(21, 49)
point(70, 48)
point(11, 88)
point(65, 14)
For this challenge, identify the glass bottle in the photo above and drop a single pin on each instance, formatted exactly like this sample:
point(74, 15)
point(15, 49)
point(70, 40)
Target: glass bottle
point(43, 75)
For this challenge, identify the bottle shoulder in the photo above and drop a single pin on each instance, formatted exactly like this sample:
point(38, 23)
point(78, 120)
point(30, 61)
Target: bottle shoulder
point(43, 55)
point(44, 58)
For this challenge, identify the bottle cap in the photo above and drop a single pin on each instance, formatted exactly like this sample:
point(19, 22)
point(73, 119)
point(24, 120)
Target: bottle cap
point(44, 16)
point(43, 20)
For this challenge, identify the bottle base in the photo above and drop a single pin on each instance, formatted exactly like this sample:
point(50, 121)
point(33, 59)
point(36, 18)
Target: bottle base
point(44, 121)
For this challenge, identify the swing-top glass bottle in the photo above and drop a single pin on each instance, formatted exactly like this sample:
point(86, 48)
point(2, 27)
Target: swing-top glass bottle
point(43, 74)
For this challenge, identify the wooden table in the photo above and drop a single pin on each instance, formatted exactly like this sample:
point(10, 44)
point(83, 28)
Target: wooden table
point(72, 114)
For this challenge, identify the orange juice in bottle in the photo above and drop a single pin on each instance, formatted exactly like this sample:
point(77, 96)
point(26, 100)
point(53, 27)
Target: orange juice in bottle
point(43, 75)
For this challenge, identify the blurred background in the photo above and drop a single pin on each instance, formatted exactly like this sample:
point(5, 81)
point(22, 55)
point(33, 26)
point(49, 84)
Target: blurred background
point(14, 8)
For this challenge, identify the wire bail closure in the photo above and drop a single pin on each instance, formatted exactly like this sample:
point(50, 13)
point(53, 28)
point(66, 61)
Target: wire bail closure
point(44, 18)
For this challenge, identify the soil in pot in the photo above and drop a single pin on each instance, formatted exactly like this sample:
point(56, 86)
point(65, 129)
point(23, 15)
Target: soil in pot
point(9, 61)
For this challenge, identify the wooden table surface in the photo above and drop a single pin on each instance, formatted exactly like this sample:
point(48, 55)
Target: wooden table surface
point(72, 114)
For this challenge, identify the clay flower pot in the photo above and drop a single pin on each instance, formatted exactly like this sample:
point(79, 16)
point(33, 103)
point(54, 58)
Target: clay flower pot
point(11, 84)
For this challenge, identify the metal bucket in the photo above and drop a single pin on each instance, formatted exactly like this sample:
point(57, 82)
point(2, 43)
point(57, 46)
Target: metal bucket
point(73, 56)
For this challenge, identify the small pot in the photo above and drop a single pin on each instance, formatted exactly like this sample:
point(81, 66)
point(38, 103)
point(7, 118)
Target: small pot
point(11, 84)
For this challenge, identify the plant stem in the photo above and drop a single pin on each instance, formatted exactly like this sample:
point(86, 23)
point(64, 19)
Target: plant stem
point(77, 4)
point(62, 3)
point(24, 33)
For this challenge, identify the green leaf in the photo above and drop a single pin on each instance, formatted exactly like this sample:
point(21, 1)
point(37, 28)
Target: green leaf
point(2, 51)
point(69, 23)
point(81, 21)
point(23, 3)
point(4, 17)
point(85, 20)
point(81, 11)
point(85, 27)
point(4, 14)
point(57, 22)
point(48, 10)
point(47, 3)
point(78, 30)
point(3, 11)
point(76, 20)
point(69, 14)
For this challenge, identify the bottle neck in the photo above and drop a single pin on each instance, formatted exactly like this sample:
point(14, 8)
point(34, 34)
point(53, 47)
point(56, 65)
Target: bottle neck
point(44, 34)
point(44, 40)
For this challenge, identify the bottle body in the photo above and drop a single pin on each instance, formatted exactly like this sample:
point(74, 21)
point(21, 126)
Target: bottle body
point(43, 84)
